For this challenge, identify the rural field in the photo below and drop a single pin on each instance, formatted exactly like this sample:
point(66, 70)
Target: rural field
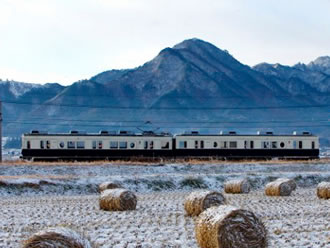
point(35, 196)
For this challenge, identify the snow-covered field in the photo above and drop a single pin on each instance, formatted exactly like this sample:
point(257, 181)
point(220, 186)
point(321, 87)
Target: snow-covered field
point(34, 197)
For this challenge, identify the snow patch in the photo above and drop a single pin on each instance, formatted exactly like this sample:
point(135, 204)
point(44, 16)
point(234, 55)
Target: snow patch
point(19, 89)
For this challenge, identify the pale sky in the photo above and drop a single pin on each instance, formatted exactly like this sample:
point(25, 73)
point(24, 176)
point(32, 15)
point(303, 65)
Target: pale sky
point(68, 40)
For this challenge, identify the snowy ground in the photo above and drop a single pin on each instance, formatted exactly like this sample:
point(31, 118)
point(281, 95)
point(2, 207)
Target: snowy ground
point(34, 197)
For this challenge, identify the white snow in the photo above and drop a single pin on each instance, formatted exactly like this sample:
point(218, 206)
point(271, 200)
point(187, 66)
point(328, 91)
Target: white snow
point(19, 89)
point(70, 199)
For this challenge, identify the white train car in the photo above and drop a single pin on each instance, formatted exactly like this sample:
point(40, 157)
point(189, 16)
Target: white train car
point(262, 145)
point(111, 145)
point(105, 145)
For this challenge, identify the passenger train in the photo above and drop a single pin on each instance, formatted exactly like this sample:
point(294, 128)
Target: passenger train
point(106, 145)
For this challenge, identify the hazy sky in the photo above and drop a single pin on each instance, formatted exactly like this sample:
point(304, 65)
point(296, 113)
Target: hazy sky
point(67, 40)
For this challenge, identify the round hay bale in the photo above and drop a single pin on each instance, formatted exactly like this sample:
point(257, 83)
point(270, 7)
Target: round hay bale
point(292, 182)
point(57, 237)
point(238, 186)
point(117, 200)
point(197, 201)
point(278, 188)
point(323, 190)
point(109, 185)
point(227, 226)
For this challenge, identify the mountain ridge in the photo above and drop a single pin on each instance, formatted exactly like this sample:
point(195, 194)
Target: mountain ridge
point(191, 74)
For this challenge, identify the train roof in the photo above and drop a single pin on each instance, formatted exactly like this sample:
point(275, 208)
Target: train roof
point(163, 134)
point(259, 133)
point(101, 133)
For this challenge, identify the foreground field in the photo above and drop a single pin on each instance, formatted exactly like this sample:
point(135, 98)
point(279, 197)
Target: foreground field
point(300, 220)
point(37, 197)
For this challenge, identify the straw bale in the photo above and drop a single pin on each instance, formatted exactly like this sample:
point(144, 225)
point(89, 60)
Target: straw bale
point(238, 186)
point(292, 182)
point(57, 237)
point(227, 226)
point(109, 185)
point(197, 201)
point(323, 190)
point(278, 188)
point(117, 200)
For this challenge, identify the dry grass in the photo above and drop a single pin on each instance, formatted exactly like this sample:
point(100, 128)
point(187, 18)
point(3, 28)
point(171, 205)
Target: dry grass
point(239, 186)
point(323, 190)
point(156, 161)
point(228, 226)
point(159, 219)
point(56, 237)
point(278, 188)
point(38, 177)
point(291, 182)
point(196, 202)
point(117, 200)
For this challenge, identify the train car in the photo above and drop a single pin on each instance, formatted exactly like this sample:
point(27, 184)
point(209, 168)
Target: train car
point(232, 145)
point(104, 145)
point(112, 145)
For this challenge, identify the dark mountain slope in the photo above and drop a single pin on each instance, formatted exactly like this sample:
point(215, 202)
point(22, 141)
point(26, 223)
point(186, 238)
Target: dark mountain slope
point(192, 85)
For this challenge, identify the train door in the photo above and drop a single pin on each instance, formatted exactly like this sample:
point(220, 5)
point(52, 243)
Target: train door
point(248, 144)
point(196, 144)
point(199, 144)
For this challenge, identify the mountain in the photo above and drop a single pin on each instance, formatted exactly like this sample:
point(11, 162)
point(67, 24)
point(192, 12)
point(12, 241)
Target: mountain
point(300, 78)
point(108, 76)
point(19, 99)
point(193, 85)
point(192, 73)
point(321, 64)
point(10, 90)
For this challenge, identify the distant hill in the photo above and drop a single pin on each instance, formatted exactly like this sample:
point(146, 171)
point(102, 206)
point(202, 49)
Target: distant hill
point(193, 85)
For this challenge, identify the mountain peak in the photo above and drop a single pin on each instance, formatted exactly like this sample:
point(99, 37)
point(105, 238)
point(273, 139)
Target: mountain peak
point(321, 64)
point(195, 44)
point(192, 42)
point(323, 60)
point(206, 51)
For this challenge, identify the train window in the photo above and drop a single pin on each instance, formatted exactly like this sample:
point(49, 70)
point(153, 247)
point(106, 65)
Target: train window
point(28, 144)
point(71, 144)
point(294, 144)
point(196, 144)
point(282, 145)
point(202, 144)
point(48, 144)
point(61, 144)
point(251, 144)
point(215, 144)
point(183, 144)
point(223, 144)
point(42, 146)
point(300, 144)
point(81, 144)
point(165, 145)
point(313, 145)
point(151, 145)
point(145, 144)
point(274, 144)
point(113, 144)
point(132, 145)
point(94, 144)
point(122, 144)
point(100, 145)
point(233, 144)
point(265, 144)
point(245, 144)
